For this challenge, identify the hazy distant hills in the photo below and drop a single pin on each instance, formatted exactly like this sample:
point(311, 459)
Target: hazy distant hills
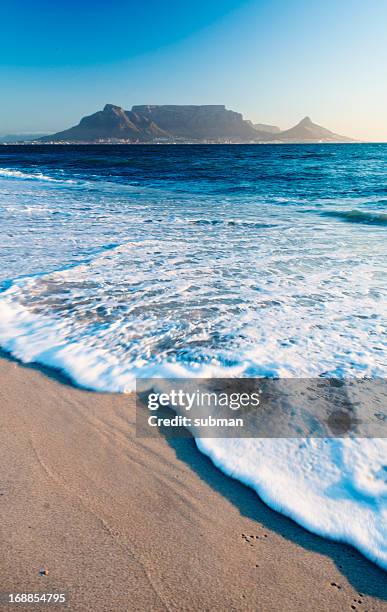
point(263, 127)
point(11, 138)
point(179, 123)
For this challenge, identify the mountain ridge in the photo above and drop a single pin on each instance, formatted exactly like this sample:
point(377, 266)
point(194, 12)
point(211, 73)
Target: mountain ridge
point(184, 123)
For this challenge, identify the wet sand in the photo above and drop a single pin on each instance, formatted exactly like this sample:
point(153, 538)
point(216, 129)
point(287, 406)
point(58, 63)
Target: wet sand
point(126, 523)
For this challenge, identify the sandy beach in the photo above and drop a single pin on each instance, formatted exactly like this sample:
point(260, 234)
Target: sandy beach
point(124, 523)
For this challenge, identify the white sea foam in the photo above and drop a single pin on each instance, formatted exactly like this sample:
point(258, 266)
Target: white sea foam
point(336, 488)
point(18, 174)
point(120, 315)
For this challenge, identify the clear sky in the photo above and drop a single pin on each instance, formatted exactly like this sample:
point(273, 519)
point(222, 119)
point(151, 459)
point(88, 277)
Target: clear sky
point(273, 60)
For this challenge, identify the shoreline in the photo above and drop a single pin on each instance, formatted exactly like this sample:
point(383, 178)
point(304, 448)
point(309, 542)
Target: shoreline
point(127, 523)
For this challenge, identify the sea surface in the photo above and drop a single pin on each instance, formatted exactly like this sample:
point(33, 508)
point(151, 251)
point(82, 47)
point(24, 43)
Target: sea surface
point(119, 262)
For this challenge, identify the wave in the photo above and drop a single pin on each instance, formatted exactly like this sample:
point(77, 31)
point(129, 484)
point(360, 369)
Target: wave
point(18, 174)
point(358, 216)
point(335, 488)
point(232, 222)
point(92, 182)
point(82, 320)
point(225, 222)
point(216, 222)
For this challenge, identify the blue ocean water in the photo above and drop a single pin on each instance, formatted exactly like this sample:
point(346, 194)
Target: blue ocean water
point(241, 260)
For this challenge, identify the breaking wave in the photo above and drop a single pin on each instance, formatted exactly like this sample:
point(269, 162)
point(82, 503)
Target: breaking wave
point(358, 216)
point(18, 174)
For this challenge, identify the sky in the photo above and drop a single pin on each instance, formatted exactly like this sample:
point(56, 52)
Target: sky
point(273, 60)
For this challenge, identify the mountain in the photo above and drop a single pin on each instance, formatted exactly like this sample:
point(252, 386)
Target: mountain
point(263, 127)
point(307, 131)
point(174, 123)
point(162, 123)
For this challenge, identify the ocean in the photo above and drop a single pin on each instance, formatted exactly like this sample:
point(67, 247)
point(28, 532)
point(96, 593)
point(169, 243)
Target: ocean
point(119, 262)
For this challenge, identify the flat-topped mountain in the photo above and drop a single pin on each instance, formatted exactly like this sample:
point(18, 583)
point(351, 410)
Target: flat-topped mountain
point(161, 123)
point(184, 123)
point(307, 131)
point(207, 122)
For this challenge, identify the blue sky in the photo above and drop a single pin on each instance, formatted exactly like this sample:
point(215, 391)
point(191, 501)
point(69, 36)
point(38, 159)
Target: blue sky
point(273, 60)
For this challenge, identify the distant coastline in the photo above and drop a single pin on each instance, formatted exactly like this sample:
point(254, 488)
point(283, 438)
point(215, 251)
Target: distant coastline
point(106, 143)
